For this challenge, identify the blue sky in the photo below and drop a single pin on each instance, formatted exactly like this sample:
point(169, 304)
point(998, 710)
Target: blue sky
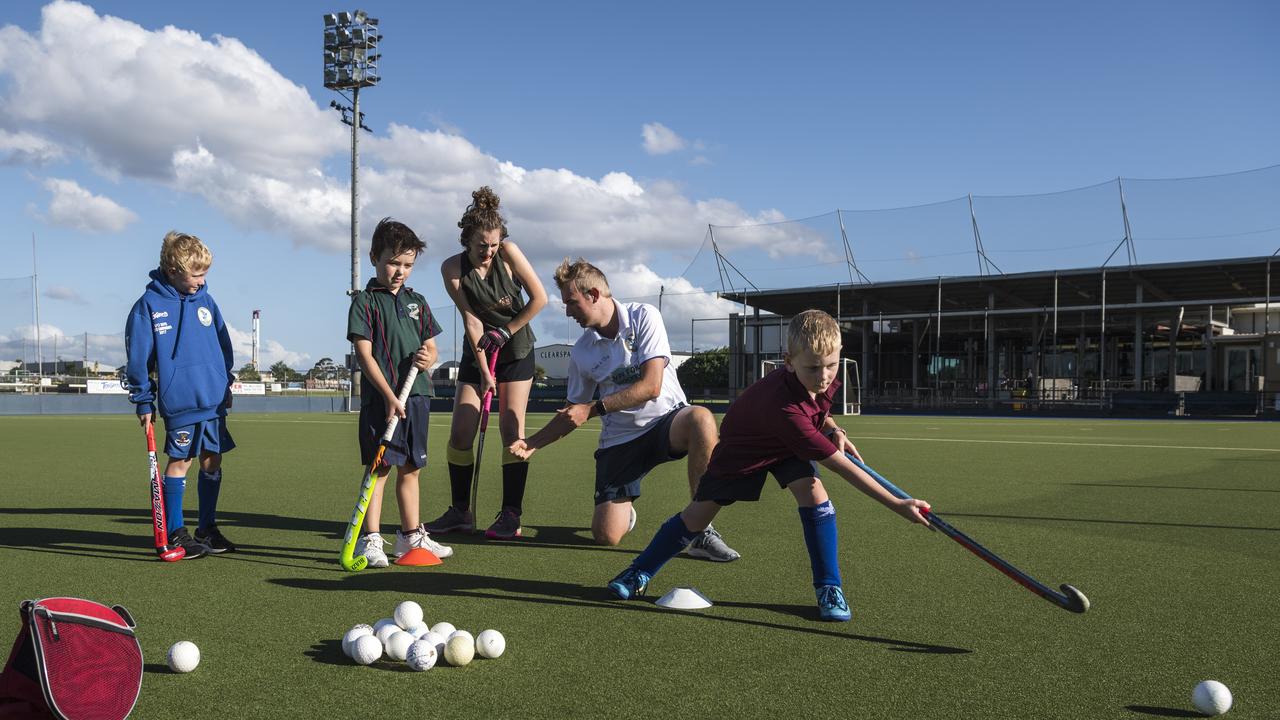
point(118, 129)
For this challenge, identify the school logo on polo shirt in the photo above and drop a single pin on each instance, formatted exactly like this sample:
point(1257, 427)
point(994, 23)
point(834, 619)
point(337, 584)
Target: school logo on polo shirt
point(206, 317)
point(414, 312)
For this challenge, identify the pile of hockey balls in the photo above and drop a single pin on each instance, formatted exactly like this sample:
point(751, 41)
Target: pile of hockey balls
point(406, 637)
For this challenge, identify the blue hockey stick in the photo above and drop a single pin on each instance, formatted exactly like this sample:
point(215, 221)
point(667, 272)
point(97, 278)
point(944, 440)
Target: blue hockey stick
point(1069, 599)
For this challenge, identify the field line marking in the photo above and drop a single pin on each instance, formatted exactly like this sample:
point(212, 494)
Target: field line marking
point(1070, 444)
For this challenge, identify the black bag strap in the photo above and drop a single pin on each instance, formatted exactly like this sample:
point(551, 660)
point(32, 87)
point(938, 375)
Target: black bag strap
point(124, 615)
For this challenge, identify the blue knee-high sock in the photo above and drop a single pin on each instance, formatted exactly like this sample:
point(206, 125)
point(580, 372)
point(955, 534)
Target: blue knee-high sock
point(819, 525)
point(670, 539)
point(208, 486)
point(174, 487)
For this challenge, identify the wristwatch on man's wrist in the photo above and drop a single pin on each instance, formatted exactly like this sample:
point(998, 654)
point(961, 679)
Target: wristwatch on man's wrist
point(599, 407)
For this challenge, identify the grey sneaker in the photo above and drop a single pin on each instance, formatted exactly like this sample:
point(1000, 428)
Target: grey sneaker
point(419, 538)
point(370, 546)
point(505, 527)
point(710, 546)
point(452, 519)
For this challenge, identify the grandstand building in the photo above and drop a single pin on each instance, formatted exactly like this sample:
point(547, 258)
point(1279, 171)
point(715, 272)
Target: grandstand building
point(1190, 338)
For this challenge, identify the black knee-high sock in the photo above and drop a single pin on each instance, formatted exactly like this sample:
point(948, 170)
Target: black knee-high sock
point(515, 474)
point(461, 467)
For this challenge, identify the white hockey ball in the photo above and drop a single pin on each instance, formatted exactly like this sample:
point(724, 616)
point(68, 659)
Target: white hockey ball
point(1211, 697)
point(459, 651)
point(443, 629)
point(184, 656)
point(398, 645)
point(356, 632)
point(490, 644)
point(422, 655)
point(408, 614)
point(366, 649)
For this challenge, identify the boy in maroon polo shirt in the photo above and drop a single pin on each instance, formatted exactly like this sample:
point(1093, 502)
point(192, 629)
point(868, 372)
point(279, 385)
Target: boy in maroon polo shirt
point(782, 426)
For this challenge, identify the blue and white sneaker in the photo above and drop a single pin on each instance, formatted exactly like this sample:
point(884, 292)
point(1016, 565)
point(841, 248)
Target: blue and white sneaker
point(629, 583)
point(831, 604)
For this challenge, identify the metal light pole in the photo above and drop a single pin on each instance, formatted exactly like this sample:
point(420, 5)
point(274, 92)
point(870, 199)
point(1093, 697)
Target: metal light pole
point(351, 63)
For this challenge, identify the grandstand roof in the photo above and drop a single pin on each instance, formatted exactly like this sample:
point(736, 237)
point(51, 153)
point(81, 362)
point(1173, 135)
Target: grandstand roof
point(1228, 281)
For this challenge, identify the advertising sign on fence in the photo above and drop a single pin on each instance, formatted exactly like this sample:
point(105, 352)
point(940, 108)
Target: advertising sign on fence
point(243, 388)
point(104, 387)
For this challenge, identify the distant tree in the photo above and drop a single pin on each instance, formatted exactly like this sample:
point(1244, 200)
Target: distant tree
point(249, 373)
point(539, 374)
point(283, 373)
point(708, 369)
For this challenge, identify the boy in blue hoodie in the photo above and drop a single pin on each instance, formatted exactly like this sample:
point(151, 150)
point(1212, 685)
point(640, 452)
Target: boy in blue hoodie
point(176, 332)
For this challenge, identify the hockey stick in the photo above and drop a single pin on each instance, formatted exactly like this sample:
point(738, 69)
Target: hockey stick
point(1069, 599)
point(167, 552)
point(484, 425)
point(350, 561)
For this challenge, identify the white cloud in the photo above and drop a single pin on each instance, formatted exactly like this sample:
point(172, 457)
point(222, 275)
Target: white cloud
point(74, 207)
point(61, 292)
point(211, 118)
point(24, 148)
point(129, 97)
point(660, 139)
point(269, 352)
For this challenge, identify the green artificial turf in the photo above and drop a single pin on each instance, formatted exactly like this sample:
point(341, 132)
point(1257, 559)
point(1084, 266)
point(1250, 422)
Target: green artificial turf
point(1170, 527)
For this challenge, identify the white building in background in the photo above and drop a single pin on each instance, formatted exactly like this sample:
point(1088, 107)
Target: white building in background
point(554, 359)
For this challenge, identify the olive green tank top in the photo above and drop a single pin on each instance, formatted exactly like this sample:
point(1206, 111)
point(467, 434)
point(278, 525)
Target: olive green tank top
point(496, 299)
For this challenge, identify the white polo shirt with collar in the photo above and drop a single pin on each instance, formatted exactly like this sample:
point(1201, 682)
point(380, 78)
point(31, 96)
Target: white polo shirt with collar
point(612, 364)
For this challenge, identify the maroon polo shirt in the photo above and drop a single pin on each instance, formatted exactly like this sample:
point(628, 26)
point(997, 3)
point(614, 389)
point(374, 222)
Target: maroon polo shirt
point(771, 421)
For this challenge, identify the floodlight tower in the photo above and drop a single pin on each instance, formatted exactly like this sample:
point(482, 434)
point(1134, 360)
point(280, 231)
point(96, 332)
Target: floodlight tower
point(254, 359)
point(351, 63)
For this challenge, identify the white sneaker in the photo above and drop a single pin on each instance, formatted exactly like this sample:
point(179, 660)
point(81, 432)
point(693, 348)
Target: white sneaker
point(419, 538)
point(370, 546)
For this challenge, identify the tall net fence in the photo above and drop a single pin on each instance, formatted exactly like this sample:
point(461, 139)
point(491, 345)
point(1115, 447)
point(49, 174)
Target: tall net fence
point(17, 323)
point(1124, 221)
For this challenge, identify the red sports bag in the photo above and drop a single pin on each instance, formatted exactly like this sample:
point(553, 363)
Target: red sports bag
point(74, 660)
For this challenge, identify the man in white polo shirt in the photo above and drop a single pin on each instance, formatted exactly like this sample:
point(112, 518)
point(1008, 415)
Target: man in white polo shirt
point(624, 353)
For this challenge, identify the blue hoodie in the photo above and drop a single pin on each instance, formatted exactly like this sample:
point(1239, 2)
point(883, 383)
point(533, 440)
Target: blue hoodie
point(183, 339)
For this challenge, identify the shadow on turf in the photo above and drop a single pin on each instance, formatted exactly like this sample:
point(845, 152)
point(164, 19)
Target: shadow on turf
point(142, 515)
point(557, 593)
point(549, 536)
point(1157, 711)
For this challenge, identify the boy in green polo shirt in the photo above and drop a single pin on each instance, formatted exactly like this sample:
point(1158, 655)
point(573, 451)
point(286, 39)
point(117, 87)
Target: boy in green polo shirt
point(392, 328)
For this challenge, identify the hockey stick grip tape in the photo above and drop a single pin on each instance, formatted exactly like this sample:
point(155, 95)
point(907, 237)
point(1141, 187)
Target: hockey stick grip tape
point(405, 388)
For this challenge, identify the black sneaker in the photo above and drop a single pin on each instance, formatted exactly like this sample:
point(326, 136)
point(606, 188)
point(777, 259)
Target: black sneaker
point(215, 540)
point(194, 548)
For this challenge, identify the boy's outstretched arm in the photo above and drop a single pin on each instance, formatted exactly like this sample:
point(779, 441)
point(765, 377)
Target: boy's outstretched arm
point(908, 508)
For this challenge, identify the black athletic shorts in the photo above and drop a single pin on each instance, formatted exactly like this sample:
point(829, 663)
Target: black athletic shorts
point(510, 371)
point(620, 468)
point(728, 491)
point(408, 444)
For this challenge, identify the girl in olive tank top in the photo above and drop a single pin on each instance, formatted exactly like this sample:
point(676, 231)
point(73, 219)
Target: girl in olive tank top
point(489, 281)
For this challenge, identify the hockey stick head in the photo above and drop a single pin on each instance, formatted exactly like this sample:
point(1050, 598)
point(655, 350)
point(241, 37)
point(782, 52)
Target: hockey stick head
point(1076, 601)
point(354, 564)
point(170, 553)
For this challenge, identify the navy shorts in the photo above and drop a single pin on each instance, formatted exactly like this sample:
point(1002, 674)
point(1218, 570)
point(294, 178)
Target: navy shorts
point(189, 441)
point(726, 491)
point(620, 468)
point(408, 444)
point(509, 371)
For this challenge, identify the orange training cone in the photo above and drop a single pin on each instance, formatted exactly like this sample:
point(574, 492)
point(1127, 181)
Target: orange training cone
point(419, 557)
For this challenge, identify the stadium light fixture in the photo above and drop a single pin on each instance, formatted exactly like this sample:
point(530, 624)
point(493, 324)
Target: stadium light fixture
point(349, 65)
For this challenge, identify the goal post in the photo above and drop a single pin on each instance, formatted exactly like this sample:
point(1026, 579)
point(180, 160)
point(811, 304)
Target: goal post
point(849, 399)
